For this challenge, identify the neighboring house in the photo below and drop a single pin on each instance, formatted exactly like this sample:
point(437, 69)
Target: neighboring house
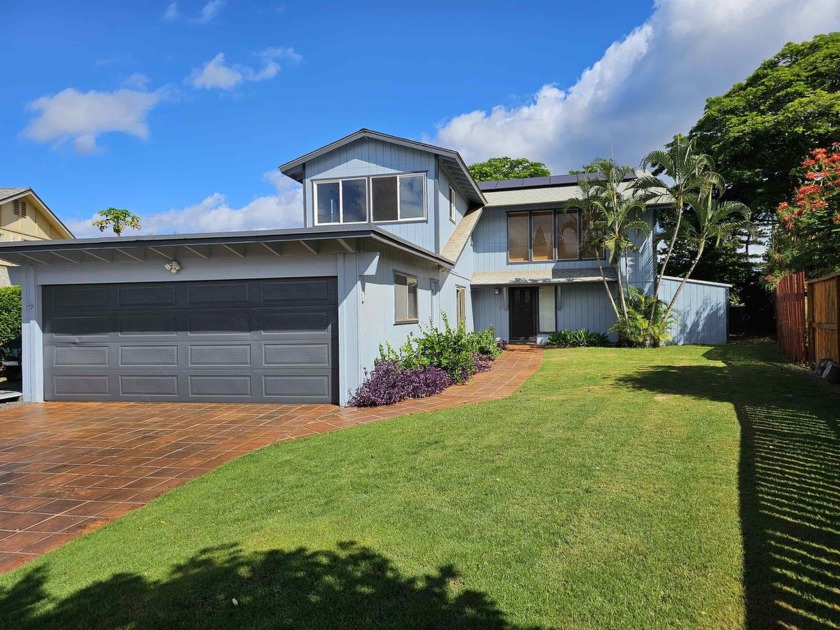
point(396, 234)
point(24, 217)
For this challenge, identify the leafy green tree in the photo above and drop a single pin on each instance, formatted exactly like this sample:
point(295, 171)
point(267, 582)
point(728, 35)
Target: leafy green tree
point(761, 129)
point(116, 219)
point(614, 212)
point(499, 168)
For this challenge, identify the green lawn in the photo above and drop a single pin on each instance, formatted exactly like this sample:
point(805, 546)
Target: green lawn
point(679, 487)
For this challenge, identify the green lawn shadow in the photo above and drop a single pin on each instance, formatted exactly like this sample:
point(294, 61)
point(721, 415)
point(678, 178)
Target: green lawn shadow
point(789, 479)
point(349, 587)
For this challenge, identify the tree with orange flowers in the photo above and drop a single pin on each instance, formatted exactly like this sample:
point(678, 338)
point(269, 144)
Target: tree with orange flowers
point(808, 236)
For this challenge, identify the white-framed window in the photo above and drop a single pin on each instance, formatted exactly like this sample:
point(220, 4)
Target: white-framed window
point(548, 309)
point(398, 197)
point(341, 201)
point(461, 305)
point(405, 298)
point(452, 209)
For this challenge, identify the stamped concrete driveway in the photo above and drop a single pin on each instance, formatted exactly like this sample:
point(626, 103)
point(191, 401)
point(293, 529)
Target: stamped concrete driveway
point(67, 468)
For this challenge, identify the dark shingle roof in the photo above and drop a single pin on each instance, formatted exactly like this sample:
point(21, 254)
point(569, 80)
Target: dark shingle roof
point(540, 182)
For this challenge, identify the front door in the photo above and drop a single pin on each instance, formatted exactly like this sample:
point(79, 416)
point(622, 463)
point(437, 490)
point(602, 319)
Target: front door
point(523, 314)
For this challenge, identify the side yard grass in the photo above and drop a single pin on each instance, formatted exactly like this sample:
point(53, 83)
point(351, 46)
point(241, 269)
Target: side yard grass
point(675, 488)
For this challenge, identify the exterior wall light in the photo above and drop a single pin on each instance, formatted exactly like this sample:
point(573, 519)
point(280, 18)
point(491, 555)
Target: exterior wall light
point(497, 291)
point(173, 266)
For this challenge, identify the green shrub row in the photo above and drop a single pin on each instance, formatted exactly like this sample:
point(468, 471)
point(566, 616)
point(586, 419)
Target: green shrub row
point(577, 338)
point(454, 350)
point(10, 314)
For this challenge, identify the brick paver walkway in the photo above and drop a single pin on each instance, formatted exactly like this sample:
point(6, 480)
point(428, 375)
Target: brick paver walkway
point(68, 468)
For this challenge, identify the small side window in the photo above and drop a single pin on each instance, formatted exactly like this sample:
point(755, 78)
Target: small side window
point(461, 299)
point(452, 211)
point(405, 298)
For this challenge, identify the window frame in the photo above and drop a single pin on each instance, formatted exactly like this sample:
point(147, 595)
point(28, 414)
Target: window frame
point(539, 309)
point(452, 209)
point(340, 181)
point(409, 277)
point(399, 218)
point(554, 258)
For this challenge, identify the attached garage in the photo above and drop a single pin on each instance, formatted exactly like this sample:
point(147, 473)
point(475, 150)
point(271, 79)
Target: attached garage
point(264, 340)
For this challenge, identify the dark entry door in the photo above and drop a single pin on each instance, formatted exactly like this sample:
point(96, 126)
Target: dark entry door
point(523, 314)
point(270, 340)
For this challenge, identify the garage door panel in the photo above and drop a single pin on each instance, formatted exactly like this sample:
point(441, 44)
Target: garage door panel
point(148, 385)
point(153, 356)
point(147, 295)
point(204, 351)
point(215, 355)
point(74, 356)
point(297, 291)
point(86, 296)
point(161, 323)
point(218, 293)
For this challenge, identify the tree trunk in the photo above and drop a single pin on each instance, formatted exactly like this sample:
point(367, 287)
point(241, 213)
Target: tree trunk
point(684, 280)
point(607, 287)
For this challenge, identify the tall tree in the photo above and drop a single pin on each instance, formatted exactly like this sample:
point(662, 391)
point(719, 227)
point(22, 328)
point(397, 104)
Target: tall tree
point(614, 213)
point(499, 168)
point(761, 129)
point(116, 219)
point(689, 172)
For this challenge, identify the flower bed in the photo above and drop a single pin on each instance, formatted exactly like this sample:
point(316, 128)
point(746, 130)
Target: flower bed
point(426, 365)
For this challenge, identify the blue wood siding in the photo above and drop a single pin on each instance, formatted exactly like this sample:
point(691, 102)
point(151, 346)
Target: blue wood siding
point(367, 157)
point(579, 305)
point(702, 312)
point(491, 251)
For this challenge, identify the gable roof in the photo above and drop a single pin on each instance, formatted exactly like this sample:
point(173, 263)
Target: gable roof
point(9, 194)
point(451, 160)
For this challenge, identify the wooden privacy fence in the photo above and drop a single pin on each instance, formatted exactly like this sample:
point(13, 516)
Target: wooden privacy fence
point(790, 317)
point(823, 318)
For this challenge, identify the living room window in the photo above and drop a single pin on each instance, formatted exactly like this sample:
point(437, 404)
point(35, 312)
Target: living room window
point(405, 298)
point(545, 235)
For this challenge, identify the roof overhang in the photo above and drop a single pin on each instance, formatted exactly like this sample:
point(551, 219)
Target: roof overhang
point(325, 240)
point(541, 276)
point(451, 161)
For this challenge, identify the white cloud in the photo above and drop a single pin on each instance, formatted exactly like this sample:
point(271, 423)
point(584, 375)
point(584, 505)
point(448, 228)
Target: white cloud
point(284, 209)
point(81, 117)
point(217, 73)
point(646, 87)
point(171, 14)
point(137, 80)
point(211, 10)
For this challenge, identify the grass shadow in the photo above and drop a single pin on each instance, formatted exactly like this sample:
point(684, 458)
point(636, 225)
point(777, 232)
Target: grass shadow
point(789, 479)
point(350, 587)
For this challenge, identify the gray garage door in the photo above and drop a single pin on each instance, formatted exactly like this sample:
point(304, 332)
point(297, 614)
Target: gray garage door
point(240, 341)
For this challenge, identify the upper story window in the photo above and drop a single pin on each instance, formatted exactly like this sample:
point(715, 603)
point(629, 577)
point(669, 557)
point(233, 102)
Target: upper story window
point(378, 198)
point(452, 209)
point(544, 235)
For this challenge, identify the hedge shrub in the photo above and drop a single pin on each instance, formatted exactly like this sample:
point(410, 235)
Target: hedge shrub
point(10, 314)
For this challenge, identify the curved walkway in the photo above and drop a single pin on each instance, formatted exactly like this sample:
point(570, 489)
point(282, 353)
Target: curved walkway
point(68, 468)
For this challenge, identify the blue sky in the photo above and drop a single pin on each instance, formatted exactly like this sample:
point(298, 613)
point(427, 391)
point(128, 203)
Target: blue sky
point(178, 111)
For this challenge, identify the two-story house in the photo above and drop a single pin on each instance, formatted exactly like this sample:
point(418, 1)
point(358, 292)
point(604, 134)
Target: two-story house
point(396, 234)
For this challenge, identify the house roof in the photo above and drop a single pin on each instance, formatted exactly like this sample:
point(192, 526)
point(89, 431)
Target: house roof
point(9, 194)
point(451, 160)
point(304, 241)
point(542, 276)
point(455, 245)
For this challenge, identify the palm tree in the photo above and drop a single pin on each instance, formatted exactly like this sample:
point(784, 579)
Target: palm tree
point(690, 173)
point(613, 210)
point(709, 219)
